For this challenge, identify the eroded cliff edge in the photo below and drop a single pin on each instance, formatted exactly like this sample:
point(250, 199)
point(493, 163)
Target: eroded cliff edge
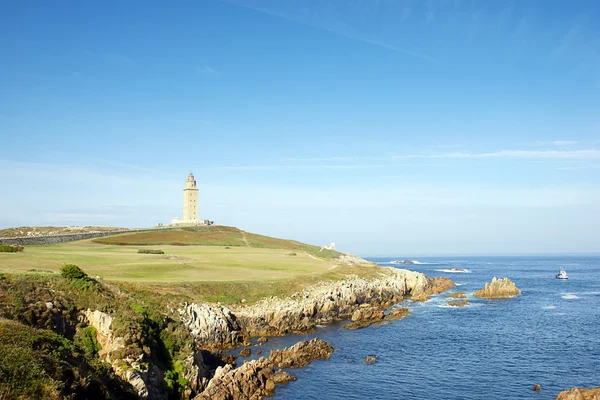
point(325, 302)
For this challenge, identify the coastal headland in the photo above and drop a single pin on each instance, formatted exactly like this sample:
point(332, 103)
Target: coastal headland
point(156, 325)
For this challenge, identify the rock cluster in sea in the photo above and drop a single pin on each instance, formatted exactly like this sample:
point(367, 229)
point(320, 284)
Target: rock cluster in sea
point(498, 289)
point(257, 378)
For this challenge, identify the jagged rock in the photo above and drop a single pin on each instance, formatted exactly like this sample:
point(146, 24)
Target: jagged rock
point(458, 303)
point(370, 360)
point(258, 378)
point(397, 313)
point(211, 325)
point(145, 378)
point(109, 343)
point(245, 352)
point(366, 312)
point(263, 339)
point(196, 372)
point(331, 301)
point(498, 289)
point(579, 394)
point(301, 354)
point(281, 377)
point(249, 381)
point(537, 387)
point(457, 295)
point(435, 285)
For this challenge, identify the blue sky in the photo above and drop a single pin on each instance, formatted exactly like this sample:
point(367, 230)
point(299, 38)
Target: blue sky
point(390, 127)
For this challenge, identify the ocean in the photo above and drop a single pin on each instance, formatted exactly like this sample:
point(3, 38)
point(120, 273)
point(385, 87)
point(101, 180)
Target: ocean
point(497, 349)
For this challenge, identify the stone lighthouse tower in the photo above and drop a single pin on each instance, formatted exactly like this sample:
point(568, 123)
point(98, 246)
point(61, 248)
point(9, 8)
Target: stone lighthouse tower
point(190, 200)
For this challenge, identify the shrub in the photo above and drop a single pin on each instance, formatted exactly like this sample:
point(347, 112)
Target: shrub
point(71, 271)
point(10, 248)
point(86, 339)
point(150, 251)
point(292, 254)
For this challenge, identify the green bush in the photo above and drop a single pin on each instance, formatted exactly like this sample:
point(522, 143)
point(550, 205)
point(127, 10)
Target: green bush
point(86, 339)
point(150, 251)
point(71, 271)
point(10, 248)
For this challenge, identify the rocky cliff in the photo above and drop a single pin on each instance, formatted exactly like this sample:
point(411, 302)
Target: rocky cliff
point(146, 378)
point(498, 289)
point(352, 298)
point(330, 301)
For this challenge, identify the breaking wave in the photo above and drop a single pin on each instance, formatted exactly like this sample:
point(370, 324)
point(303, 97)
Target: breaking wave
point(569, 296)
point(455, 271)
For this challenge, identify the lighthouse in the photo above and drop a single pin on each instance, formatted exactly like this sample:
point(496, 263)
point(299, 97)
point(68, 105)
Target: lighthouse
point(190, 200)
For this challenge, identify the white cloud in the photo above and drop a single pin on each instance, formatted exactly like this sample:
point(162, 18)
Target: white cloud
point(524, 154)
point(565, 142)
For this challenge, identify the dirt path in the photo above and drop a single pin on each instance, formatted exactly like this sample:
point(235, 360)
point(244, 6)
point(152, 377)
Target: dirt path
point(244, 239)
point(316, 258)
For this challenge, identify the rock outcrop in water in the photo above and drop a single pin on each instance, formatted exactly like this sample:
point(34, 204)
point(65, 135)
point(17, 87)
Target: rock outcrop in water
point(435, 285)
point(579, 394)
point(331, 301)
point(369, 316)
point(258, 377)
point(457, 295)
point(458, 303)
point(498, 289)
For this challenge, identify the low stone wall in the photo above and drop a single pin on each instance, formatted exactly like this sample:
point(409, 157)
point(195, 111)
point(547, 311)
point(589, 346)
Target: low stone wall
point(69, 237)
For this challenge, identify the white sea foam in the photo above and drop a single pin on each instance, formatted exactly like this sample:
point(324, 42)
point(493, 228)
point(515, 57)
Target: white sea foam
point(548, 307)
point(454, 271)
point(569, 296)
point(459, 284)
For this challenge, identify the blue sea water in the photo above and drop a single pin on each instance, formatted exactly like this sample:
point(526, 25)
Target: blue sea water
point(488, 350)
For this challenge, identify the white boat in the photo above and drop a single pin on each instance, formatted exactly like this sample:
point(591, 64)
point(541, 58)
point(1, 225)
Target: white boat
point(562, 274)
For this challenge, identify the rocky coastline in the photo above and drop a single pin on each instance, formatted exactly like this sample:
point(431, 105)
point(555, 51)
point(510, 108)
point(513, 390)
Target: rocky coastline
point(180, 350)
point(363, 301)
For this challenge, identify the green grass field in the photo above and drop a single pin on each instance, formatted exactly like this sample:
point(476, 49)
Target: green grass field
point(202, 264)
point(178, 264)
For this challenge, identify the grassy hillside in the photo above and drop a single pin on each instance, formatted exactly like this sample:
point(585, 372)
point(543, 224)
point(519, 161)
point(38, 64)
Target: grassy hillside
point(213, 236)
point(213, 264)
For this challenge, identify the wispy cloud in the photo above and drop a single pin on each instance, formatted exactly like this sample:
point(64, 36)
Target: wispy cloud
point(206, 70)
point(297, 167)
point(523, 154)
point(556, 143)
point(571, 37)
point(520, 154)
point(342, 28)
